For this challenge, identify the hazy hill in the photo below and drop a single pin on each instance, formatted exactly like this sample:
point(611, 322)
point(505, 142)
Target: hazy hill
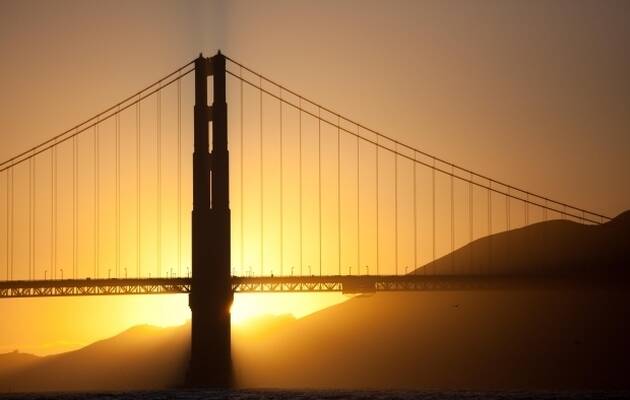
point(450, 340)
point(568, 339)
point(142, 356)
point(557, 247)
point(15, 361)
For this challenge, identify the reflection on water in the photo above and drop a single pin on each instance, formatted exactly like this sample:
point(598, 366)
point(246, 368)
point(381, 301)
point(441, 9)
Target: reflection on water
point(319, 395)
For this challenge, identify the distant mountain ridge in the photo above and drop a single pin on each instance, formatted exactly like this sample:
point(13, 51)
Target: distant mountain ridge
point(556, 247)
point(544, 339)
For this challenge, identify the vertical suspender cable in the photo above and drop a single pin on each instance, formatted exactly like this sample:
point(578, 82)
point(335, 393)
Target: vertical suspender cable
point(138, 192)
point(396, 206)
point(544, 227)
point(526, 205)
point(358, 207)
point(262, 187)
point(281, 189)
point(179, 175)
point(452, 218)
point(242, 155)
point(471, 219)
point(11, 229)
point(415, 218)
point(118, 193)
point(433, 210)
point(377, 206)
point(300, 174)
point(507, 222)
point(34, 191)
point(490, 224)
point(8, 222)
point(158, 100)
point(30, 217)
point(507, 209)
point(97, 198)
point(54, 214)
point(75, 207)
point(339, 192)
point(319, 182)
point(52, 210)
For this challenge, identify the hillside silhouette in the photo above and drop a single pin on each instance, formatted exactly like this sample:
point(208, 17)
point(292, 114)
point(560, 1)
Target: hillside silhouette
point(552, 248)
point(570, 338)
point(125, 361)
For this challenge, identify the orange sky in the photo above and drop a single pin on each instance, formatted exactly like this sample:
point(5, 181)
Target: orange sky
point(533, 94)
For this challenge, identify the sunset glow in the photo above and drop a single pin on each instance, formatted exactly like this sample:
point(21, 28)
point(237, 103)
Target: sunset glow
point(367, 171)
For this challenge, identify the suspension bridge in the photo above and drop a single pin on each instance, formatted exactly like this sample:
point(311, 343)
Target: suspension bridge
point(321, 203)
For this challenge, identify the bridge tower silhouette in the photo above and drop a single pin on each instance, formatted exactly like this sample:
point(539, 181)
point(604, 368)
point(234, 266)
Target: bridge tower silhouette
point(211, 293)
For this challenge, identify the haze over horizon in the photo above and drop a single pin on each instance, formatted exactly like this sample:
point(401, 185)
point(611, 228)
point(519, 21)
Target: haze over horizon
point(530, 93)
point(566, 336)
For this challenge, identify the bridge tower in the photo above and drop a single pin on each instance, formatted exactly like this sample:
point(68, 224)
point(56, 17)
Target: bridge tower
point(211, 292)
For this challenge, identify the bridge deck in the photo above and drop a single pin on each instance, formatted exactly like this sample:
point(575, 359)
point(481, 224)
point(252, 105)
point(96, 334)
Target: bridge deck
point(280, 284)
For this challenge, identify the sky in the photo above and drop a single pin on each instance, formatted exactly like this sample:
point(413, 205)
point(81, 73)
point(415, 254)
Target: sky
point(535, 94)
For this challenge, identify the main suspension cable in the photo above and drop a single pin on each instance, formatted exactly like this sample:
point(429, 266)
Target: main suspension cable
point(397, 143)
point(102, 116)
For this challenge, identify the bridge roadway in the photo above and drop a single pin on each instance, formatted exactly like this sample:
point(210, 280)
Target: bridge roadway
point(350, 284)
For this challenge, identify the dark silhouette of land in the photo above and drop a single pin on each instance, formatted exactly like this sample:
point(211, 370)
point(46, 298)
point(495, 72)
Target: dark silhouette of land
point(552, 248)
point(570, 338)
